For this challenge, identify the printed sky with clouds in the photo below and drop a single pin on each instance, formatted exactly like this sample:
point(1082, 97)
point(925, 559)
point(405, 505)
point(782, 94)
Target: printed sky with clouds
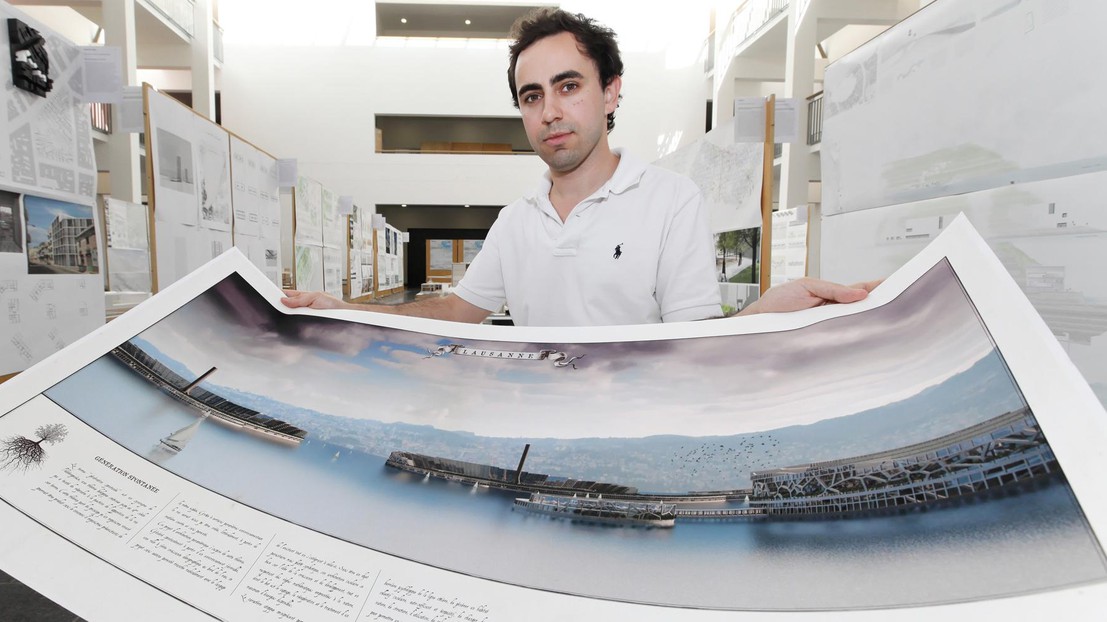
point(703, 386)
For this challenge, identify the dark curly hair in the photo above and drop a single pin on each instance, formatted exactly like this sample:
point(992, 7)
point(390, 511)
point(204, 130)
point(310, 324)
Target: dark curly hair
point(595, 41)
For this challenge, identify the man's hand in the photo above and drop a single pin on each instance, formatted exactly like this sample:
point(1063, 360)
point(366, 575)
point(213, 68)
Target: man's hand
point(806, 293)
point(312, 300)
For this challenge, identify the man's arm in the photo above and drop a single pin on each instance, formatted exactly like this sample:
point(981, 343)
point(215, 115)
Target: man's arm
point(806, 293)
point(451, 307)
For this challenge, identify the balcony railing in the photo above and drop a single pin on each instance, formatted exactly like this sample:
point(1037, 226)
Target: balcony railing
point(217, 42)
point(101, 117)
point(180, 12)
point(748, 19)
point(815, 118)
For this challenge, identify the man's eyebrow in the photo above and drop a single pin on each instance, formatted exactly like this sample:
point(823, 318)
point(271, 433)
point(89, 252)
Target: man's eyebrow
point(565, 75)
point(526, 88)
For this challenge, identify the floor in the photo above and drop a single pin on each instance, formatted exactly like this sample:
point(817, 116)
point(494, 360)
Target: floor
point(19, 603)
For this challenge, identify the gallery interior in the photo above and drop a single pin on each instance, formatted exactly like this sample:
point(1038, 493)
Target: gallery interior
point(832, 139)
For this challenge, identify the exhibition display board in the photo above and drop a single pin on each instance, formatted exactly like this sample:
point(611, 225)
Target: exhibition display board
point(189, 174)
point(322, 239)
point(362, 254)
point(904, 152)
point(128, 246)
point(390, 260)
point(212, 455)
point(965, 96)
point(255, 195)
point(51, 283)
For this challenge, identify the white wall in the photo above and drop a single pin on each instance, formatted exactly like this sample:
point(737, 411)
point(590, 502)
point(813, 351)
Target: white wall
point(306, 84)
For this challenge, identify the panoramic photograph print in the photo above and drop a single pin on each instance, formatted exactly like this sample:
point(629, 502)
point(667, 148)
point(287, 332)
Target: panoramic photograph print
point(885, 458)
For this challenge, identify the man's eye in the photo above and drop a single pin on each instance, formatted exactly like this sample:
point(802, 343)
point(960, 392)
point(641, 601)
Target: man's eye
point(569, 86)
point(530, 98)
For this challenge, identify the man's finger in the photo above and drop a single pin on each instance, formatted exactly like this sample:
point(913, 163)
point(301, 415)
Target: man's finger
point(868, 286)
point(834, 292)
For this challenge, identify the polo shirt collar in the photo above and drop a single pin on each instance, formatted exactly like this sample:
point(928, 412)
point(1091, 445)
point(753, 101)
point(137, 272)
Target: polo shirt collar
point(627, 175)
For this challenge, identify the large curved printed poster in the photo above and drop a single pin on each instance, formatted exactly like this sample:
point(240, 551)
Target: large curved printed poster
point(228, 459)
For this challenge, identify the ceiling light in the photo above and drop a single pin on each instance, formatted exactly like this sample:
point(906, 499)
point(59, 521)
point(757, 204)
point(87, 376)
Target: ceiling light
point(466, 205)
point(403, 20)
point(403, 205)
point(467, 22)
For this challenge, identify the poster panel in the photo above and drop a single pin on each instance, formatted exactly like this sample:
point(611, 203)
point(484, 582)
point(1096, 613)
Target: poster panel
point(789, 246)
point(128, 246)
point(728, 173)
point(257, 212)
point(823, 457)
point(334, 265)
point(51, 286)
point(309, 212)
point(902, 114)
point(309, 268)
point(1051, 237)
point(47, 140)
point(334, 233)
point(213, 175)
point(191, 187)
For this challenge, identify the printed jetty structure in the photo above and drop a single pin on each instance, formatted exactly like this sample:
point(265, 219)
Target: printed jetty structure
point(997, 453)
point(597, 510)
point(518, 480)
point(216, 406)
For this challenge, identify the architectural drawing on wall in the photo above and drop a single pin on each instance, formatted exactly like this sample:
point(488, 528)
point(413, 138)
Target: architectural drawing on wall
point(858, 450)
point(175, 166)
point(334, 266)
point(12, 239)
point(128, 246)
point(190, 187)
point(309, 212)
point(309, 268)
point(50, 140)
point(256, 201)
point(214, 179)
point(441, 254)
point(1050, 235)
point(62, 237)
point(895, 127)
point(728, 173)
point(469, 249)
point(51, 291)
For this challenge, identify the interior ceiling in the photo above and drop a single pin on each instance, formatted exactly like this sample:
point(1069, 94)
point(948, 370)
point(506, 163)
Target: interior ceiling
point(447, 20)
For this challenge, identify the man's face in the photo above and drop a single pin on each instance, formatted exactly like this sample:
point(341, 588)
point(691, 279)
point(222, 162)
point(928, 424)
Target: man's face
point(563, 103)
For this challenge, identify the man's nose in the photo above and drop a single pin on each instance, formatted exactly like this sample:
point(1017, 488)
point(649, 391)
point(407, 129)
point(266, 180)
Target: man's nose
point(551, 110)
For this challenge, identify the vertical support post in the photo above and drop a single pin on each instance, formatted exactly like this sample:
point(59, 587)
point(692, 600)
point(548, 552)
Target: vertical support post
point(203, 59)
point(764, 273)
point(123, 153)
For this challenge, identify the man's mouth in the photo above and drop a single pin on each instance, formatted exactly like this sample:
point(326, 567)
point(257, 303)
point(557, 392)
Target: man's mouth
point(556, 138)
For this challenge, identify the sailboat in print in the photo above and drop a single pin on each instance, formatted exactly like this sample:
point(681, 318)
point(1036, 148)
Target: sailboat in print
point(177, 440)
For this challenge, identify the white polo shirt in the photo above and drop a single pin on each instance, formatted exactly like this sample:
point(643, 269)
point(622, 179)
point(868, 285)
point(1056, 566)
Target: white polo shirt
point(636, 251)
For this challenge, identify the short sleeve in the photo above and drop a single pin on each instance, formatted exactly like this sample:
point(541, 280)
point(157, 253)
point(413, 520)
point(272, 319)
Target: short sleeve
point(483, 283)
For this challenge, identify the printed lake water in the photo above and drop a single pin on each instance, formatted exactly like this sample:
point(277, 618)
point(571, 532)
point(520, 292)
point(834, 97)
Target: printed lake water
point(1031, 541)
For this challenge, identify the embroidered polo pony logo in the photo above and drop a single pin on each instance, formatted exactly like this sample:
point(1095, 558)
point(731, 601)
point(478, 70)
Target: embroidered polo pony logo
point(618, 251)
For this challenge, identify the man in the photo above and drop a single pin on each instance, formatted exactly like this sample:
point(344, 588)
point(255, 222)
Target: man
point(605, 238)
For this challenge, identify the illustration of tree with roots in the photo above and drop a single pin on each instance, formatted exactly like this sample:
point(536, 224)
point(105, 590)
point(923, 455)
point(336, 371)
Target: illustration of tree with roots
point(21, 453)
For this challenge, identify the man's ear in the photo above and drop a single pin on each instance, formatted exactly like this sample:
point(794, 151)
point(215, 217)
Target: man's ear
point(611, 94)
